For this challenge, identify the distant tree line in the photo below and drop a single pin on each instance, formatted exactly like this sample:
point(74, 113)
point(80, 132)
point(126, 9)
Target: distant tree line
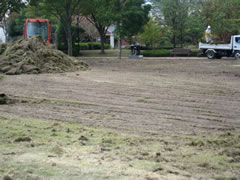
point(184, 21)
point(176, 22)
point(128, 16)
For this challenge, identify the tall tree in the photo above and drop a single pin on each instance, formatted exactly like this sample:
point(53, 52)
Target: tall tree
point(152, 33)
point(64, 10)
point(175, 14)
point(100, 14)
point(195, 26)
point(132, 15)
point(7, 7)
point(223, 17)
point(129, 16)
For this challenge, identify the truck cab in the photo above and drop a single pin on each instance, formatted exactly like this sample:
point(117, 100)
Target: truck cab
point(236, 43)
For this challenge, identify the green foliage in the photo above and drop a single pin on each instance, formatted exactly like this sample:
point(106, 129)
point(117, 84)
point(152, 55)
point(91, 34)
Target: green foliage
point(92, 46)
point(15, 25)
point(152, 34)
point(130, 17)
point(98, 11)
point(64, 10)
point(195, 52)
point(165, 52)
point(223, 17)
point(62, 40)
point(97, 45)
point(9, 6)
point(194, 25)
point(100, 14)
point(175, 14)
point(84, 46)
point(156, 53)
point(182, 18)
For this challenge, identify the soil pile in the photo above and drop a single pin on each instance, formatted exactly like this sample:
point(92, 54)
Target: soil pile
point(34, 56)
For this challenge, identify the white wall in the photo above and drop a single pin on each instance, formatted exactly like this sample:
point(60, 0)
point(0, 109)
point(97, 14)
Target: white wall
point(2, 36)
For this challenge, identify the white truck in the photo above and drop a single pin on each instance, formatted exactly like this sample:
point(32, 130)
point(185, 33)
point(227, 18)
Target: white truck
point(222, 50)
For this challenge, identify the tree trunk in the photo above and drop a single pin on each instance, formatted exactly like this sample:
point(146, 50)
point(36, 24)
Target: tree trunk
point(78, 36)
point(120, 48)
point(102, 35)
point(68, 28)
point(174, 39)
point(182, 37)
point(69, 40)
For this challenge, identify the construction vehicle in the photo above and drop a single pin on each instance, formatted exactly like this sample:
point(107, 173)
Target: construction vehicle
point(222, 50)
point(33, 27)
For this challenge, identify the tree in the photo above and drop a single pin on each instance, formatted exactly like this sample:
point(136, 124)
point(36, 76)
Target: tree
point(151, 34)
point(129, 16)
point(223, 17)
point(175, 13)
point(100, 14)
point(195, 24)
point(64, 10)
point(7, 7)
point(62, 41)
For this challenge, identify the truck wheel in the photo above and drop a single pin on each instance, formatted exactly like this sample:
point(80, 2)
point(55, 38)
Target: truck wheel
point(237, 55)
point(211, 54)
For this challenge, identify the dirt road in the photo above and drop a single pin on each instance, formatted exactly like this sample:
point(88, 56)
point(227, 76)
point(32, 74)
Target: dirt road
point(136, 96)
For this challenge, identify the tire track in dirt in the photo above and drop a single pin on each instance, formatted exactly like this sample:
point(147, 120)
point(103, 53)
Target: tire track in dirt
point(129, 100)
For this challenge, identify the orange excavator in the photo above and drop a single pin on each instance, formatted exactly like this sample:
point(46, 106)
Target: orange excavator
point(33, 27)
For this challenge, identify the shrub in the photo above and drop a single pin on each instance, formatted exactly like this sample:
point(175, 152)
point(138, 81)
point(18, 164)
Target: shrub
point(195, 52)
point(97, 45)
point(156, 53)
point(92, 46)
point(83, 46)
point(62, 41)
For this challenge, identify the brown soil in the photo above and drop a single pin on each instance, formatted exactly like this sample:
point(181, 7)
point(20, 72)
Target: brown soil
point(184, 111)
point(135, 96)
point(33, 56)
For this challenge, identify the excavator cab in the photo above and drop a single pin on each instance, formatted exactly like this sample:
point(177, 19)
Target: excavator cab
point(33, 27)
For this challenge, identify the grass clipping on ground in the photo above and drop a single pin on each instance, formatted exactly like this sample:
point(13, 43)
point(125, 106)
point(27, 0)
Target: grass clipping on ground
point(44, 149)
point(33, 56)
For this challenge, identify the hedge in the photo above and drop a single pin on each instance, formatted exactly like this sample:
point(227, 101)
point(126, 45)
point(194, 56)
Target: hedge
point(195, 52)
point(92, 46)
point(165, 53)
point(156, 53)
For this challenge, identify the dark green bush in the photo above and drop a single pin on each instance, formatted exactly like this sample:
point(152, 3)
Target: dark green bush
point(97, 45)
point(169, 47)
point(83, 46)
point(62, 41)
point(195, 52)
point(156, 53)
point(92, 46)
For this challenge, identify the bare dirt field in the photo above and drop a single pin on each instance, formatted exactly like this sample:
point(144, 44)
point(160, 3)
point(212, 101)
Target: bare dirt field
point(184, 110)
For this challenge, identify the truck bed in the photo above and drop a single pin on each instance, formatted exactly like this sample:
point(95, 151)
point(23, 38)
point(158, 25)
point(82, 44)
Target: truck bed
point(215, 46)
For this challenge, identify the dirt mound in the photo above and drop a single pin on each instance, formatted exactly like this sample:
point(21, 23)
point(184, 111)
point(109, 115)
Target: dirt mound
point(34, 56)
